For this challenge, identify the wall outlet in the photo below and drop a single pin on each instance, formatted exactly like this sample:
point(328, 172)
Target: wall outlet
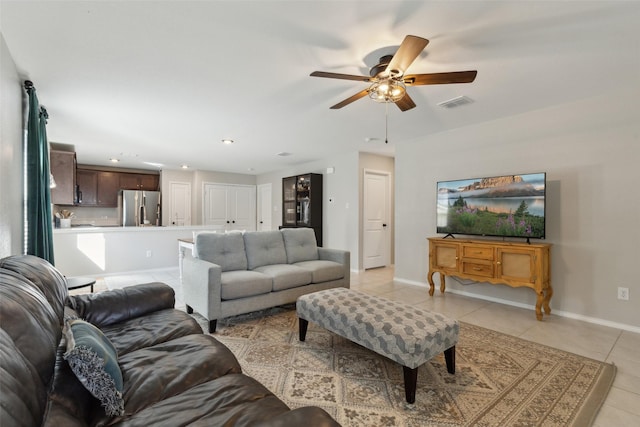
point(149, 254)
point(623, 294)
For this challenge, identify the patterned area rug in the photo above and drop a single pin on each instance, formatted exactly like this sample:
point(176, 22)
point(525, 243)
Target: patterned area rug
point(500, 380)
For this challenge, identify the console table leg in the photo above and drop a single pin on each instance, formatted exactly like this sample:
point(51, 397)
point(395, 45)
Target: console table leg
point(547, 298)
point(442, 283)
point(432, 285)
point(539, 302)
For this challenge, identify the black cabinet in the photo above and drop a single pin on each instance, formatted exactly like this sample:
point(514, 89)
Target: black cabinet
point(302, 203)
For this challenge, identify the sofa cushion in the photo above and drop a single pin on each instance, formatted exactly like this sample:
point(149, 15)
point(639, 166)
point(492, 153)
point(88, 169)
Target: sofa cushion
point(154, 328)
point(300, 244)
point(194, 250)
point(94, 360)
point(230, 400)
point(264, 248)
point(243, 283)
point(167, 369)
point(286, 276)
point(322, 271)
point(226, 250)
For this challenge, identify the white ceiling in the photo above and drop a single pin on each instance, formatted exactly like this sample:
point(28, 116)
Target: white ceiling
point(164, 81)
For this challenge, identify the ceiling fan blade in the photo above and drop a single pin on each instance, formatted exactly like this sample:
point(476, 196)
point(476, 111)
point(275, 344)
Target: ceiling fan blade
point(340, 76)
point(406, 103)
point(351, 99)
point(407, 53)
point(440, 78)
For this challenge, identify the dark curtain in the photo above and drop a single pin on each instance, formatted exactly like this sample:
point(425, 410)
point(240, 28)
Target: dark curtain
point(39, 217)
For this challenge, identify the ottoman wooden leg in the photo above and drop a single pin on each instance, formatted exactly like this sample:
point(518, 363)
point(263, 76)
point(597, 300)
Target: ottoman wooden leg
point(302, 328)
point(450, 358)
point(410, 383)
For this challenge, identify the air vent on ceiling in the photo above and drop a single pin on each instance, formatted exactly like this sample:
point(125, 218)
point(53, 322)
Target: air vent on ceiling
point(456, 102)
point(283, 154)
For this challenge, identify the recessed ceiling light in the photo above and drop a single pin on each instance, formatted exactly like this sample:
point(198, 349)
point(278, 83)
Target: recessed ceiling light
point(227, 141)
point(250, 169)
point(114, 160)
point(184, 166)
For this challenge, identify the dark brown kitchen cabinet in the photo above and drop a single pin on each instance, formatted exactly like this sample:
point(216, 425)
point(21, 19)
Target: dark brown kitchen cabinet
point(108, 186)
point(87, 181)
point(139, 181)
point(63, 170)
point(97, 188)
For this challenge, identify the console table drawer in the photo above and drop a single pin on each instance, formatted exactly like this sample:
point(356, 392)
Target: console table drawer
point(477, 269)
point(477, 252)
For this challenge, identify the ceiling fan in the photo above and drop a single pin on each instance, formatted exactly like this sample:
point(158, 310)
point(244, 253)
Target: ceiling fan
point(389, 81)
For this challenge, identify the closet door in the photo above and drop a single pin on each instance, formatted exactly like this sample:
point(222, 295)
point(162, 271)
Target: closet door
point(230, 207)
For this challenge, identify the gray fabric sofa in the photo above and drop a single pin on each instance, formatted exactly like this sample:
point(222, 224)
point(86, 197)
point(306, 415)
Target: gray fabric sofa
point(238, 273)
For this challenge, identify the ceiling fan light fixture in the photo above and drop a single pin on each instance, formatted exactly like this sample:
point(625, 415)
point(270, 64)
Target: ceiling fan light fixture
point(387, 90)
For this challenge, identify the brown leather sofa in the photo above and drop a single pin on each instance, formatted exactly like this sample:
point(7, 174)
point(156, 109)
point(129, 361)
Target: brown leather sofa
point(173, 374)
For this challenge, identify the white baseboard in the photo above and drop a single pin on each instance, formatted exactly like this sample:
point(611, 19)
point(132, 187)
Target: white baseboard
point(124, 273)
point(570, 315)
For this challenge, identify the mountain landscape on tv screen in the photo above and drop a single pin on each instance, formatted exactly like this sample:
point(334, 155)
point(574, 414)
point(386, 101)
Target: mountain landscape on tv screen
point(512, 205)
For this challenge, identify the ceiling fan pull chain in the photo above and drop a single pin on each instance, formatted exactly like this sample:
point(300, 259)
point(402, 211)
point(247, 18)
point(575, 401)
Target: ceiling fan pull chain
point(386, 122)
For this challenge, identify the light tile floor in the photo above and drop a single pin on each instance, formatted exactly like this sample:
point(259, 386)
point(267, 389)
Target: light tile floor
point(622, 406)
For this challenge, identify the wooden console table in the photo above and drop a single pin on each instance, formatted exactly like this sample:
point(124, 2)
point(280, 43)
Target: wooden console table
point(509, 263)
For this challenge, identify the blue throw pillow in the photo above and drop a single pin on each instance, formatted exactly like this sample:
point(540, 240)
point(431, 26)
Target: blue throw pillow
point(94, 361)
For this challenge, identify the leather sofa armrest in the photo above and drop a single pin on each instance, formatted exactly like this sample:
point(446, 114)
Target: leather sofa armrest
point(310, 416)
point(118, 305)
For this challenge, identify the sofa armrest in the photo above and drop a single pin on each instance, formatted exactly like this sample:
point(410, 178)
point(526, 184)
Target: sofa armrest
point(201, 286)
point(340, 256)
point(118, 305)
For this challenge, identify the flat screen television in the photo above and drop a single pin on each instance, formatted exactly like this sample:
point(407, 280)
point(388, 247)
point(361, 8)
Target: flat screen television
point(507, 206)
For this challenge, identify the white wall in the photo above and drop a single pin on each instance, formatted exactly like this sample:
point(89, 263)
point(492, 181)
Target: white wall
point(590, 150)
point(340, 217)
point(11, 164)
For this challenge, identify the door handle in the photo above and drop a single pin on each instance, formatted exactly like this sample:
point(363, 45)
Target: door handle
point(384, 225)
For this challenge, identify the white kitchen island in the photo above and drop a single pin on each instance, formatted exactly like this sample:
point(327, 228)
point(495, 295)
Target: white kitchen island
point(100, 251)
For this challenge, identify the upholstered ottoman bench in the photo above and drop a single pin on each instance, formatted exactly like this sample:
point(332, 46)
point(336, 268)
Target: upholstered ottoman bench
point(404, 334)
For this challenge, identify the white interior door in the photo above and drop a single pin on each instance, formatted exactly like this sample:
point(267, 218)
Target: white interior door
point(180, 203)
point(215, 205)
point(377, 232)
point(264, 207)
point(242, 207)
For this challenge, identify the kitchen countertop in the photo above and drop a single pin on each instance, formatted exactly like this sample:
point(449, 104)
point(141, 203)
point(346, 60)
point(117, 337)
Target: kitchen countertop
point(118, 229)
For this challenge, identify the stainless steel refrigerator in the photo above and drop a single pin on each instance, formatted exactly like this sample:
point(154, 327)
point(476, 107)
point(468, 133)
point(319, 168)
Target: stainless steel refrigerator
point(140, 208)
